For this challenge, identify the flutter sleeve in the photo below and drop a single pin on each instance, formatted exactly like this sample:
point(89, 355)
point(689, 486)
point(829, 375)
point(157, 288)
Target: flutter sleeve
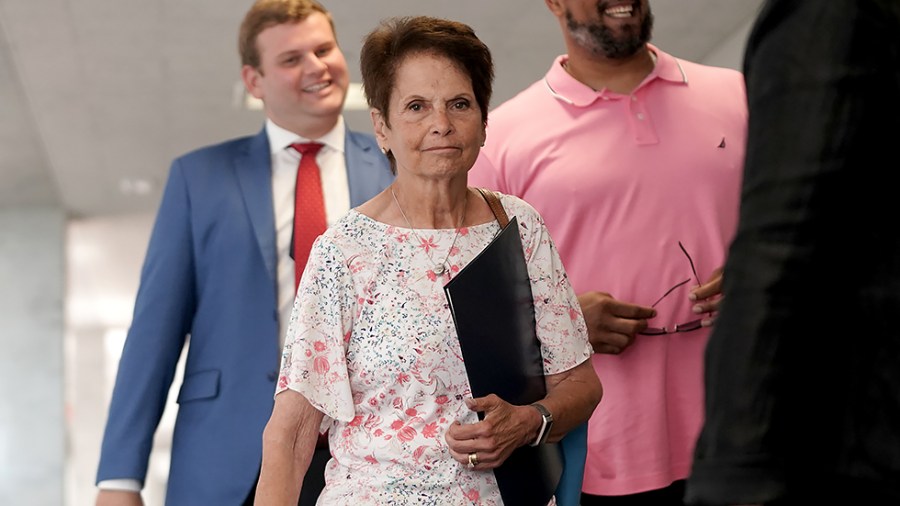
point(314, 359)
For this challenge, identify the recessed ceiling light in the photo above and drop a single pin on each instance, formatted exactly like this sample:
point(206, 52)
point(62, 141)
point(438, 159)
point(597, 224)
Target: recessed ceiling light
point(135, 186)
point(356, 98)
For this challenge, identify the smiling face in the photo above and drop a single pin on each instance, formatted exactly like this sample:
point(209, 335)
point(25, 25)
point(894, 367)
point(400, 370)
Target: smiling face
point(434, 126)
point(302, 77)
point(611, 28)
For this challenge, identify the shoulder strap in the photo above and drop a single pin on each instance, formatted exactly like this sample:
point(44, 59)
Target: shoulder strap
point(496, 207)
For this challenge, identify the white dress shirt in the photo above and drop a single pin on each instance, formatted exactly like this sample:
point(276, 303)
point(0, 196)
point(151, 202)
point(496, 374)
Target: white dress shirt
point(335, 190)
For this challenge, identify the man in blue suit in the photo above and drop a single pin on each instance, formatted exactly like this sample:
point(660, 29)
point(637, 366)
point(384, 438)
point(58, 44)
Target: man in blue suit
point(218, 269)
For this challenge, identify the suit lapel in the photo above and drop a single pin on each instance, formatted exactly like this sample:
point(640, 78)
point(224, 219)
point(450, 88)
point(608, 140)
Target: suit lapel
point(362, 174)
point(254, 172)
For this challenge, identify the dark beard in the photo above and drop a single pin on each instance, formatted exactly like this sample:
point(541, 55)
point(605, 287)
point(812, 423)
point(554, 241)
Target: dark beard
point(604, 41)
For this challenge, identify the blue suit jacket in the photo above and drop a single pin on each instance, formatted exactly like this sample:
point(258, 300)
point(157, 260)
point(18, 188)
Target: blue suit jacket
point(210, 273)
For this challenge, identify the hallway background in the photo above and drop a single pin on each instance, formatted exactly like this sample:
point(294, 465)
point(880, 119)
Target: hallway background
point(96, 98)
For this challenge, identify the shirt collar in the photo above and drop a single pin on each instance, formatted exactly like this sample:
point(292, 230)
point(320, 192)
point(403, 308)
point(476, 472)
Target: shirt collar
point(280, 138)
point(566, 88)
point(667, 68)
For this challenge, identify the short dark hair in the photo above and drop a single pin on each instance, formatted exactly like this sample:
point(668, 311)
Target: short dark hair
point(385, 48)
point(267, 13)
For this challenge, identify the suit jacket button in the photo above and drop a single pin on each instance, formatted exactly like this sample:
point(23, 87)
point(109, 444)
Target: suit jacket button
point(272, 376)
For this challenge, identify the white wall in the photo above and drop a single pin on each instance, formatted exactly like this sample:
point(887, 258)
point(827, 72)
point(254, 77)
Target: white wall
point(32, 442)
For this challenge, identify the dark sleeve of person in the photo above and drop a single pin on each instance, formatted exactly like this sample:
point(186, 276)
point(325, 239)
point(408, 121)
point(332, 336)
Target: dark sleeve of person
point(803, 367)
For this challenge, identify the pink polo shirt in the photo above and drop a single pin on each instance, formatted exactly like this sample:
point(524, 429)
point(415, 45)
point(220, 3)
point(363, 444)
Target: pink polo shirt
point(620, 180)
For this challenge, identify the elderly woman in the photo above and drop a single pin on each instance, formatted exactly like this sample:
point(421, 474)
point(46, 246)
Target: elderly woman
point(372, 354)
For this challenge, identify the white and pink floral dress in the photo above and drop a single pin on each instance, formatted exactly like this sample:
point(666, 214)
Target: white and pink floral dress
point(371, 344)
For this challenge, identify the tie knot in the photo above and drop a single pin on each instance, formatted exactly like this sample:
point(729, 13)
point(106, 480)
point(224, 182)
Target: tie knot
point(307, 148)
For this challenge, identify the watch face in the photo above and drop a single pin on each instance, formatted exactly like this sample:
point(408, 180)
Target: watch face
point(547, 428)
point(546, 424)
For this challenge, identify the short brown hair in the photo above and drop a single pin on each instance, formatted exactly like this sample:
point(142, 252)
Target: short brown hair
point(396, 38)
point(268, 13)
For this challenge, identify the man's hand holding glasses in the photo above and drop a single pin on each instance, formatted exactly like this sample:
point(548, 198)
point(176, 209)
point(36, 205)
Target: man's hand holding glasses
point(706, 297)
point(612, 324)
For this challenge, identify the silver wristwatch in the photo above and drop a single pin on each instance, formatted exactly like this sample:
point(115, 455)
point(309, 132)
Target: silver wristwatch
point(546, 424)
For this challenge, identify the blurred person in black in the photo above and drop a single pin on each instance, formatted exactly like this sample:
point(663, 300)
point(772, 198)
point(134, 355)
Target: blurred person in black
point(803, 367)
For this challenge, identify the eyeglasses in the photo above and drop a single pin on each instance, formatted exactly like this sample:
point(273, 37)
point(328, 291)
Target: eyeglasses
point(680, 327)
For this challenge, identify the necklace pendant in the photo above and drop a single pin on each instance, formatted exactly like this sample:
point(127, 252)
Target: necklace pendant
point(439, 269)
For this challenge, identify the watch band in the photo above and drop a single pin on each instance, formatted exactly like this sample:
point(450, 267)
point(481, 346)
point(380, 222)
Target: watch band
point(546, 424)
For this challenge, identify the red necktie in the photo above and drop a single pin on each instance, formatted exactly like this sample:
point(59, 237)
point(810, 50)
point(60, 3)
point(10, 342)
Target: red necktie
point(309, 206)
point(309, 217)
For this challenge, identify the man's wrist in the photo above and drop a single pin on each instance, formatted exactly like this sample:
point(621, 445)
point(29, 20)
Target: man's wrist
point(121, 484)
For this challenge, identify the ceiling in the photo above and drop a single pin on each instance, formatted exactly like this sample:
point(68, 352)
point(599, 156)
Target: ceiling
point(98, 96)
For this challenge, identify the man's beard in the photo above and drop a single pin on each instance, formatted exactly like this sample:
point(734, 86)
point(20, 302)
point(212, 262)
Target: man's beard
point(599, 39)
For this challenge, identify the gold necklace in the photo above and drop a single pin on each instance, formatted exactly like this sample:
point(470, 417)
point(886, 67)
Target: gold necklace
point(442, 267)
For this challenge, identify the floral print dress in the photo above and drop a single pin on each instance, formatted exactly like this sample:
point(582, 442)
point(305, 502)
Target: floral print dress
point(371, 344)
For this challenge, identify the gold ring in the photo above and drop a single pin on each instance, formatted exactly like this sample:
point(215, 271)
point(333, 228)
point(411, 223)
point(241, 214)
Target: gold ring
point(473, 459)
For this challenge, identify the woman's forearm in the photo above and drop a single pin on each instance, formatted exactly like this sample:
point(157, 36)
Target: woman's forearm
point(289, 441)
point(571, 397)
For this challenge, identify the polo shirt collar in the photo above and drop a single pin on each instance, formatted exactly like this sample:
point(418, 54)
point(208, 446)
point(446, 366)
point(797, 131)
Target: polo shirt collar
point(667, 68)
point(565, 88)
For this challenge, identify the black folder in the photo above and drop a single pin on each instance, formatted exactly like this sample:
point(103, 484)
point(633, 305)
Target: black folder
point(493, 311)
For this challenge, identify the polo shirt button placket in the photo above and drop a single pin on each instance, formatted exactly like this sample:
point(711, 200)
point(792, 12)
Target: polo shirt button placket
point(641, 125)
